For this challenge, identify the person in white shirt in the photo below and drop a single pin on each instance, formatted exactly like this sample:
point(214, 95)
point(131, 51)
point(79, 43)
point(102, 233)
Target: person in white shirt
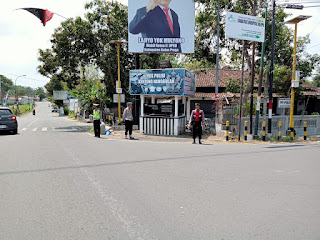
point(128, 117)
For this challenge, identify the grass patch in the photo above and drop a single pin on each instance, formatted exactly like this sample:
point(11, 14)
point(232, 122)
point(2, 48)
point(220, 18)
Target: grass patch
point(72, 115)
point(282, 139)
point(22, 110)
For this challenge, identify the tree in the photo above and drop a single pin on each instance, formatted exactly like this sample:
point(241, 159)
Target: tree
point(206, 29)
point(41, 93)
point(316, 79)
point(233, 86)
point(6, 84)
point(80, 42)
point(90, 90)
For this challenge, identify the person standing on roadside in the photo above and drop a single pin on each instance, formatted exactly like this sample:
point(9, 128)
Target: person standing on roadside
point(197, 121)
point(96, 120)
point(128, 117)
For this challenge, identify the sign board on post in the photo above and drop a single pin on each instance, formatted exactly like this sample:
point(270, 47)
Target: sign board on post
point(284, 103)
point(119, 90)
point(159, 30)
point(116, 97)
point(168, 82)
point(245, 27)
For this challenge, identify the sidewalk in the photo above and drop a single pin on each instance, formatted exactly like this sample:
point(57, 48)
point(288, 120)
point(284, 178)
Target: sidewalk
point(119, 135)
point(184, 138)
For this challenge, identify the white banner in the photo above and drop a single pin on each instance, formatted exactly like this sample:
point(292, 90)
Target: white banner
point(245, 27)
point(60, 95)
point(161, 26)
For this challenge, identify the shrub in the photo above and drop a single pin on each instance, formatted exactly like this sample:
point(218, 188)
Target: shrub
point(66, 111)
point(72, 114)
point(315, 113)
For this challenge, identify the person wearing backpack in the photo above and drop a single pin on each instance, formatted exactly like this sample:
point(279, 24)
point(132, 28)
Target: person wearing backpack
point(197, 122)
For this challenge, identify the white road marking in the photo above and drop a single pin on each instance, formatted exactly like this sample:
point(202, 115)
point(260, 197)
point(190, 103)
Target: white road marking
point(74, 129)
point(44, 129)
point(35, 129)
point(33, 122)
point(23, 129)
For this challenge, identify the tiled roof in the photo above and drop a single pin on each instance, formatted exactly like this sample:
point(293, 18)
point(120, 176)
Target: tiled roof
point(309, 89)
point(213, 95)
point(207, 77)
point(308, 85)
point(311, 93)
point(228, 95)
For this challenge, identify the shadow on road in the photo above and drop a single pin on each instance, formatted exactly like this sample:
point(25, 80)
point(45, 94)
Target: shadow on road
point(286, 146)
point(213, 156)
point(74, 129)
point(7, 133)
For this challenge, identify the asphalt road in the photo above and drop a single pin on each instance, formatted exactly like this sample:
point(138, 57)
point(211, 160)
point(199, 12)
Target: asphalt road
point(58, 182)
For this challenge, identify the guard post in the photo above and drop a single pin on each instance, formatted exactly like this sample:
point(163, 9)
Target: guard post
point(305, 131)
point(264, 131)
point(292, 131)
point(246, 130)
point(227, 131)
point(279, 130)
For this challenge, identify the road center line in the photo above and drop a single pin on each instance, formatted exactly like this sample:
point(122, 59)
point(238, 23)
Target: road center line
point(33, 122)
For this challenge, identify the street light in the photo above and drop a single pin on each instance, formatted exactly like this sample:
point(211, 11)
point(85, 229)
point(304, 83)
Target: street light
point(15, 85)
point(294, 21)
point(119, 42)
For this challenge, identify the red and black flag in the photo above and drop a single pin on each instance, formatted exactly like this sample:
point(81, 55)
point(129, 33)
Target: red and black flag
point(43, 14)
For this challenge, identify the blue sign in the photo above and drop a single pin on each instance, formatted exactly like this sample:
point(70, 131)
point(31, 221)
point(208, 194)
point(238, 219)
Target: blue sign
point(168, 82)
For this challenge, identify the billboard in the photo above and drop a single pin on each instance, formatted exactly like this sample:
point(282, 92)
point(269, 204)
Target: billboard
point(161, 26)
point(168, 82)
point(61, 95)
point(245, 27)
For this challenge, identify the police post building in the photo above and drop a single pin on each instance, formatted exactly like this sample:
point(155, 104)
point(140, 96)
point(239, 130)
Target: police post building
point(165, 99)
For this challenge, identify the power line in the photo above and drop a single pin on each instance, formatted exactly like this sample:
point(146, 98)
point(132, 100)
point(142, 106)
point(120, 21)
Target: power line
point(314, 28)
point(312, 6)
point(301, 2)
point(313, 46)
point(38, 80)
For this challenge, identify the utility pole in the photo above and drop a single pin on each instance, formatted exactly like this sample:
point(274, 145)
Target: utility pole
point(0, 92)
point(252, 72)
point(260, 77)
point(119, 42)
point(271, 69)
point(218, 49)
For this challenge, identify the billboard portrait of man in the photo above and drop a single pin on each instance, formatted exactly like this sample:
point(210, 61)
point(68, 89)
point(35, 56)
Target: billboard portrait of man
point(155, 26)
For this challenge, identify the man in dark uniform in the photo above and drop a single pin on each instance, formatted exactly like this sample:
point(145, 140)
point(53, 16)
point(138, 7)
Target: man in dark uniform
point(156, 20)
point(197, 121)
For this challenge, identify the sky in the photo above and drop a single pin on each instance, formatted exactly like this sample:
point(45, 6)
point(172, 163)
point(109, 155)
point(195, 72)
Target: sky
point(22, 34)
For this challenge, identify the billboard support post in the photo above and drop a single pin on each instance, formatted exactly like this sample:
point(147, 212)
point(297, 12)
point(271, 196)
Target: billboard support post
point(241, 88)
point(119, 83)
